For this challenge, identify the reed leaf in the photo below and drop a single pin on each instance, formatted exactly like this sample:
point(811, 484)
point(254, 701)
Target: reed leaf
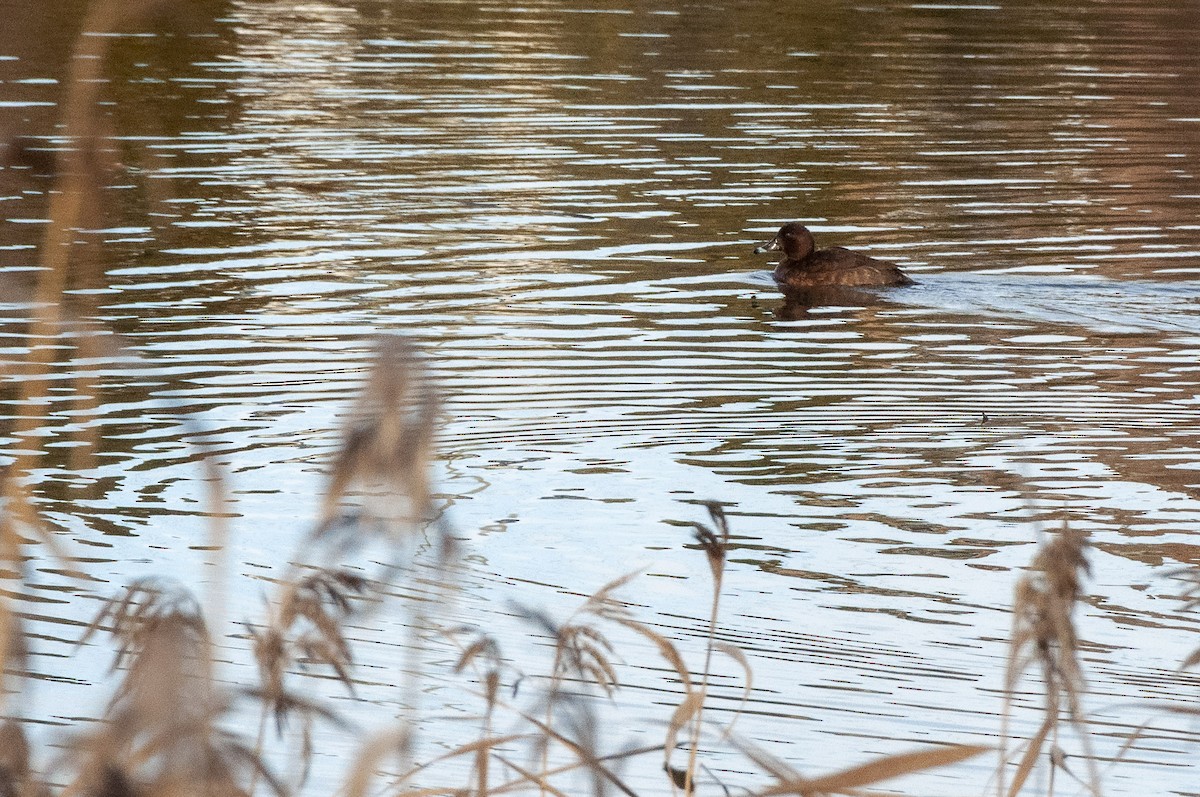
point(876, 771)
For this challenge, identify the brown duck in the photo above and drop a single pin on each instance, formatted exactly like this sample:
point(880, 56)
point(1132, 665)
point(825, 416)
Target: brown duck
point(805, 266)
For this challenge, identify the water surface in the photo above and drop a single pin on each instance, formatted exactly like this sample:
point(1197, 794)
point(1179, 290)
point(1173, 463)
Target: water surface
point(558, 204)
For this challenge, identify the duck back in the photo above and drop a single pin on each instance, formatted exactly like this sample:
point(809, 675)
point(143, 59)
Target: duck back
point(838, 266)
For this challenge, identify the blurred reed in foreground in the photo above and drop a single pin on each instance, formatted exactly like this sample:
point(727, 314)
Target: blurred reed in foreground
point(1044, 638)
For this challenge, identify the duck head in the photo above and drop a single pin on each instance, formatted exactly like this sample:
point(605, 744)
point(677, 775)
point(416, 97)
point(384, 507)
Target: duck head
point(794, 239)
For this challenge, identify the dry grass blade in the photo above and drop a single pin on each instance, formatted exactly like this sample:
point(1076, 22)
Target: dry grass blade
point(716, 514)
point(542, 781)
point(714, 543)
point(306, 627)
point(302, 705)
point(580, 650)
point(684, 713)
point(161, 734)
point(315, 610)
point(586, 654)
point(876, 771)
point(163, 644)
point(604, 599)
point(666, 648)
point(713, 548)
point(519, 784)
point(716, 546)
point(484, 745)
point(167, 679)
point(371, 755)
point(430, 791)
point(586, 755)
point(484, 648)
point(1032, 752)
point(1043, 606)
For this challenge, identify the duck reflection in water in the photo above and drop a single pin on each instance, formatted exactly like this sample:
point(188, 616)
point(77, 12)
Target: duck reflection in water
point(808, 276)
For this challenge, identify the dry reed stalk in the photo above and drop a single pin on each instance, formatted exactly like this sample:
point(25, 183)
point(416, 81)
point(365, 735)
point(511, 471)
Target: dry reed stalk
point(380, 486)
point(527, 777)
point(161, 735)
point(81, 171)
point(17, 775)
point(878, 770)
point(715, 544)
point(485, 651)
point(304, 626)
point(582, 655)
point(581, 742)
point(1044, 637)
point(854, 779)
point(397, 742)
point(387, 446)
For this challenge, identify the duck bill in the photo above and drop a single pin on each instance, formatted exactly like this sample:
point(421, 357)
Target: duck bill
point(770, 246)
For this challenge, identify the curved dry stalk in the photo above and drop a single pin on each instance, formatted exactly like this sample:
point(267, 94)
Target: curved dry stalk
point(735, 653)
point(848, 781)
point(687, 710)
point(683, 715)
point(666, 648)
point(486, 651)
point(474, 749)
point(541, 780)
point(585, 753)
point(1033, 749)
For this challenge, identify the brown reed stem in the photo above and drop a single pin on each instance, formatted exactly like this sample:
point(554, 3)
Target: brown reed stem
point(77, 180)
point(716, 547)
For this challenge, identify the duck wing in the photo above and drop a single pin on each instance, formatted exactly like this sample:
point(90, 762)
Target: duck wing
point(846, 267)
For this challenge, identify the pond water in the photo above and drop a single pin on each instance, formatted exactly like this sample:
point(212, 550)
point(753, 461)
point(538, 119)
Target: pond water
point(557, 202)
